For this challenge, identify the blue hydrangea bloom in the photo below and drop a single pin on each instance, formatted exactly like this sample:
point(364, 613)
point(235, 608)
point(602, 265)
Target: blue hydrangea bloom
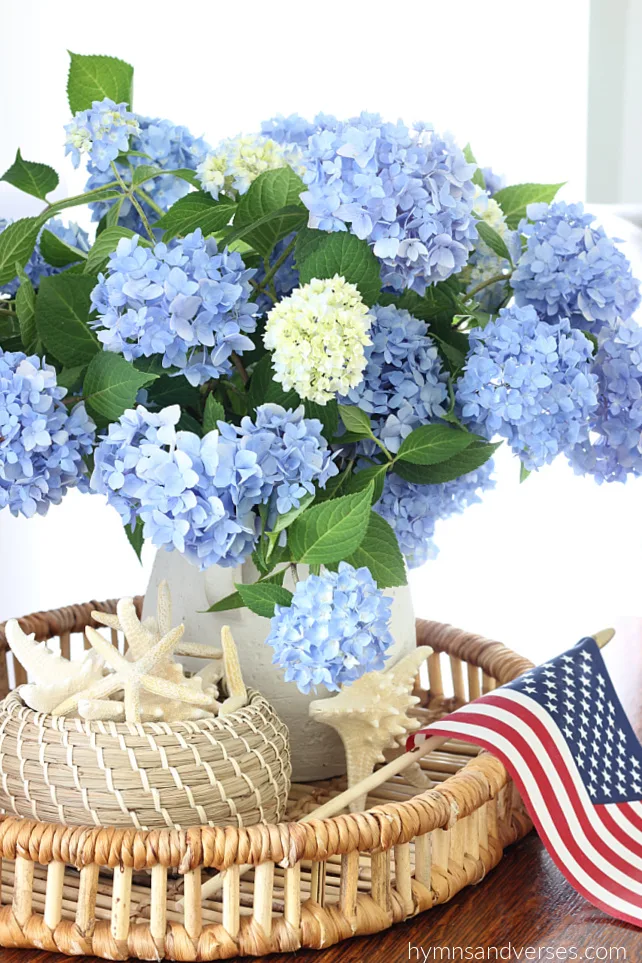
point(573, 269)
point(36, 267)
point(412, 510)
point(531, 382)
point(186, 301)
point(408, 192)
point(285, 280)
point(613, 450)
point(404, 384)
point(290, 130)
point(42, 442)
point(291, 452)
point(335, 630)
point(166, 145)
point(493, 182)
point(199, 495)
point(102, 131)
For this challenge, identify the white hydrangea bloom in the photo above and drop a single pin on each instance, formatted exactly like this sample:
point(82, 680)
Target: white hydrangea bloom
point(318, 335)
point(238, 161)
point(488, 210)
point(484, 263)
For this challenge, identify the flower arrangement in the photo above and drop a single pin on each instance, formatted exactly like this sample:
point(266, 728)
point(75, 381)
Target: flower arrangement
point(302, 346)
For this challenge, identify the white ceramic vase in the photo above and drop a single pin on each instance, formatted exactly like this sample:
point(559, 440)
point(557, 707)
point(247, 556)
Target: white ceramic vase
point(317, 752)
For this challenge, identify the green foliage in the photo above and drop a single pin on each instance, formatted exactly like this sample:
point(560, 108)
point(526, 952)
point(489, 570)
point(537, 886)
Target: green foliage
point(433, 444)
point(214, 411)
point(470, 459)
point(361, 479)
point(234, 601)
point(263, 389)
point(379, 551)
point(135, 537)
point(344, 254)
point(94, 77)
point(327, 414)
point(356, 421)
point(494, 241)
point(332, 530)
point(31, 177)
point(111, 385)
point(197, 209)
point(270, 209)
point(57, 252)
point(104, 245)
point(524, 472)
point(171, 391)
point(71, 378)
point(514, 200)
point(478, 176)
point(261, 597)
point(26, 311)
point(284, 521)
point(63, 307)
point(17, 242)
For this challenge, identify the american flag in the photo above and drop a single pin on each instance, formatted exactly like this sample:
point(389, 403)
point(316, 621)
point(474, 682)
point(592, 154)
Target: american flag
point(564, 737)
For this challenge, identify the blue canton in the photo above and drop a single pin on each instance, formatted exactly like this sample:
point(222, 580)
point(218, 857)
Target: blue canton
point(576, 690)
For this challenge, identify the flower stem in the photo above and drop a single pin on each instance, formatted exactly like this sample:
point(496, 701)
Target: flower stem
point(294, 573)
point(487, 283)
point(154, 206)
point(131, 194)
point(279, 262)
point(238, 364)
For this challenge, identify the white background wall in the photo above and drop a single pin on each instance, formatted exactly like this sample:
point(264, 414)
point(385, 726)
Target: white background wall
point(555, 555)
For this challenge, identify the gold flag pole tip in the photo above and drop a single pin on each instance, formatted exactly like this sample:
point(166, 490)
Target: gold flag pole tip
point(604, 637)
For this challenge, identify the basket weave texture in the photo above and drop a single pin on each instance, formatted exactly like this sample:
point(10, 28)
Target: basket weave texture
point(227, 770)
point(126, 893)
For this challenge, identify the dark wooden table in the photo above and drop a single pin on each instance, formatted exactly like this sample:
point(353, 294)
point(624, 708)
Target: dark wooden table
point(525, 902)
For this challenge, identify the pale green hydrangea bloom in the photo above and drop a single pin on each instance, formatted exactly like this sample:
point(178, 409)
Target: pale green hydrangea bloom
point(238, 161)
point(318, 335)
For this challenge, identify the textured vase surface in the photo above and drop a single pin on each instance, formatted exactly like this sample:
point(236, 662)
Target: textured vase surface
point(317, 752)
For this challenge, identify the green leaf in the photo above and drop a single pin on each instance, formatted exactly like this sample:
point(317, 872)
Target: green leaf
point(57, 252)
point(198, 209)
point(63, 308)
point(146, 172)
point(26, 311)
point(344, 254)
point(331, 531)
point(356, 421)
point(493, 240)
point(514, 200)
point(306, 241)
point(135, 537)
point(524, 472)
point(433, 444)
point(379, 551)
point(104, 245)
point(234, 601)
point(471, 458)
point(361, 479)
point(264, 389)
point(17, 242)
point(327, 414)
point(93, 77)
point(478, 177)
point(172, 391)
point(30, 177)
point(261, 597)
point(272, 193)
point(10, 339)
point(284, 521)
point(71, 378)
point(214, 411)
point(111, 385)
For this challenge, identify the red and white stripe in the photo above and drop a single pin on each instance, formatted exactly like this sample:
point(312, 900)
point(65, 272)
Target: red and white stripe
point(598, 848)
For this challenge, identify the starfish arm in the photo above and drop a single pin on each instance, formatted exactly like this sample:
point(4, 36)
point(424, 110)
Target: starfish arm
point(161, 651)
point(110, 653)
point(101, 709)
point(151, 625)
point(198, 651)
point(233, 676)
point(233, 704)
point(177, 692)
point(139, 639)
point(101, 690)
point(132, 700)
point(106, 618)
point(164, 608)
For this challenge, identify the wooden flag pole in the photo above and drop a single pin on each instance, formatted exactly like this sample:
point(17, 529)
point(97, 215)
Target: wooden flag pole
point(334, 806)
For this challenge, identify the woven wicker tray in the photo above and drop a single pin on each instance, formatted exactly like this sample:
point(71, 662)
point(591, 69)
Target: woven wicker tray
point(123, 893)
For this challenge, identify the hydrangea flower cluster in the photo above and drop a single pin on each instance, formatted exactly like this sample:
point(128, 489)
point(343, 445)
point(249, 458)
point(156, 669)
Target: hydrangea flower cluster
point(484, 264)
point(103, 132)
point(492, 182)
point(184, 301)
point(158, 143)
point(42, 442)
point(36, 267)
point(335, 630)
point(408, 192)
point(572, 269)
point(197, 495)
point(404, 384)
point(293, 129)
point(531, 382)
point(291, 451)
point(613, 450)
point(238, 161)
point(412, 510)
point(318, 335)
